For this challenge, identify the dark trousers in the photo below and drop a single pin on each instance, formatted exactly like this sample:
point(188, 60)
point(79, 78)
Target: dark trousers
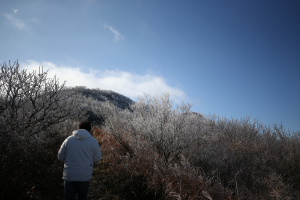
point(76, 190)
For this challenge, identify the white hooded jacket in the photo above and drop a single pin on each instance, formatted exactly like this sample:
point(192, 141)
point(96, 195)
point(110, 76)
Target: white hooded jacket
point(79, 151)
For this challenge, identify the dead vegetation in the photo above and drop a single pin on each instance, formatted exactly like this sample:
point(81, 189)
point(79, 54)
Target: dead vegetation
point(153, 149)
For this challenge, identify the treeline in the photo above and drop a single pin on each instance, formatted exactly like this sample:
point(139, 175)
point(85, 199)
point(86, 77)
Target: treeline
point(152, 148)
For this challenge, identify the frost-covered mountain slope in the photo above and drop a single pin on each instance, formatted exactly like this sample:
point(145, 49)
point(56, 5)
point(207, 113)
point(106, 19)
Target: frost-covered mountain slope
point(115, 98)
point(94, 99)
point(93, 102)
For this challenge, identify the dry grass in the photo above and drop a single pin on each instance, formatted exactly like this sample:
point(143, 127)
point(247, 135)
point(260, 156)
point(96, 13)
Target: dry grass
point(143, 175)
point(264, 167)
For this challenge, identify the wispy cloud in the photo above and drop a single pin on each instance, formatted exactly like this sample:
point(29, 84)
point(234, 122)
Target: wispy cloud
point(15, 10)
point(117, 35)
point(128, 84)
point(15, 21)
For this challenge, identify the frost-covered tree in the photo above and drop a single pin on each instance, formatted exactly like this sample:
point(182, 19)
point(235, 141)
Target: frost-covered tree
point(33, 109)
point(31, 102)
point(155, 122)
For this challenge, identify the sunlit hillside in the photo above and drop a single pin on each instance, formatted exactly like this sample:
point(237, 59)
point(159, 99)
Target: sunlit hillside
point(152, 148)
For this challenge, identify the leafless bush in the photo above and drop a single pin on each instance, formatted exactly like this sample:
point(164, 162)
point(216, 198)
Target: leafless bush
point(159, 180)
point(245, 154)
point(165, 135)
point(32, 107)
point(251, 160)
point(155, 122)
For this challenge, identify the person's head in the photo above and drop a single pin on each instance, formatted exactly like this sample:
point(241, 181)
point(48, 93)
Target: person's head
point(85, 125)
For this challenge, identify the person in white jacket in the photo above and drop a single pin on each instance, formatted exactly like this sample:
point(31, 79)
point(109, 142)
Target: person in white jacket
point(79, 152)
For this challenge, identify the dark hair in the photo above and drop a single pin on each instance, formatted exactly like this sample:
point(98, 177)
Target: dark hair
point(85, 125)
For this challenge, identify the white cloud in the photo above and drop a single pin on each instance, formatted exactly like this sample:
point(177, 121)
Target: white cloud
point(118, 36)
point(16, 22)
point(128, 84)
point(15, 10)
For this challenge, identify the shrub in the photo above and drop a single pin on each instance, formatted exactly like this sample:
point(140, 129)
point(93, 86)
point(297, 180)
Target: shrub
point(157, 139)
point(33, 113)
point(250, 159)
point(244, 158)
point(145, 175)
point(155, 123)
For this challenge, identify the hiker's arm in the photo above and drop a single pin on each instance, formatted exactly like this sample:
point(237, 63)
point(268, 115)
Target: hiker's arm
point(62, 151)
point(97, 153)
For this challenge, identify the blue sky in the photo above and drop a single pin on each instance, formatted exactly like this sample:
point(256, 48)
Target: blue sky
point(229, 58)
